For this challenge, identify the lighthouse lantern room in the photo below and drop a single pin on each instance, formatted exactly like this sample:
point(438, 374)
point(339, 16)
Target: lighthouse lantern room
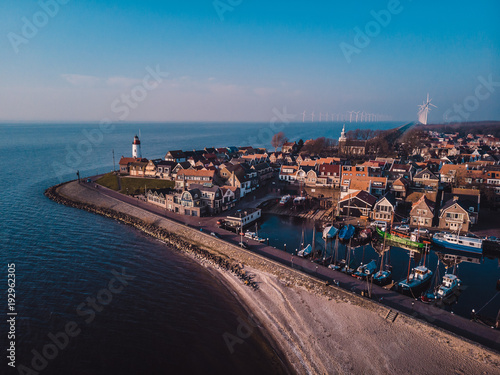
point(136, 148)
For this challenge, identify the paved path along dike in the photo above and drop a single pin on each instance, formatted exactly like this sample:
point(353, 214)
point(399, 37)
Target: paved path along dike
point(456, 324)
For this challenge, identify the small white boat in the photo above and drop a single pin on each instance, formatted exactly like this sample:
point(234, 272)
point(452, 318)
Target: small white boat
point(366, 270)
point(330, 232)
point(299, 200)
point(254, 236)
point(305, 251)
point(449, 286)
point(284, 200)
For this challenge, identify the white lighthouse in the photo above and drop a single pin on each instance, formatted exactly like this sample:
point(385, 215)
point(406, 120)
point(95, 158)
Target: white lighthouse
point(136, 148)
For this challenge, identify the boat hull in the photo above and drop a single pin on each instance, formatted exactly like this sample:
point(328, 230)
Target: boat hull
point(455, 246)
point(346, 232)
point(401, 240)
point(382, 278)
point(414, 289)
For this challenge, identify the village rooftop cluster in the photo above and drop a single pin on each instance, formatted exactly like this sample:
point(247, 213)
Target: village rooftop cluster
point(440, 181)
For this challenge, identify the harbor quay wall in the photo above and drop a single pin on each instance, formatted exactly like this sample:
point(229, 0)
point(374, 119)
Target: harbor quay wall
point(221, 254)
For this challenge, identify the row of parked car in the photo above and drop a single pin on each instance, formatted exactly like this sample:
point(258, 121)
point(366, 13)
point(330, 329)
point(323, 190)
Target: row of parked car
point(403, 227)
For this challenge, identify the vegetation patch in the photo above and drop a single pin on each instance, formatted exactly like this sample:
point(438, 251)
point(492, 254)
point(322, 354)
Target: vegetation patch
point(109, 180)
point(136, 186)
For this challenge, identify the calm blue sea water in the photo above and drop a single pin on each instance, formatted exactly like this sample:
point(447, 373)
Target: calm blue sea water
point(172, 316)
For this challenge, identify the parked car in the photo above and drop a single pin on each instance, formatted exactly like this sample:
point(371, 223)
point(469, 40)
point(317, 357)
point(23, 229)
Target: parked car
point(405, 220)
point(422, 231)
point(221, 221)
point(213, 234)
point(403, 228)
point(381, 224)
point(244, 245)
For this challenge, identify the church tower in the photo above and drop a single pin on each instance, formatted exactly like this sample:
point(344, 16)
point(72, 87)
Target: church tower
point(136, 148)
point(342, 135)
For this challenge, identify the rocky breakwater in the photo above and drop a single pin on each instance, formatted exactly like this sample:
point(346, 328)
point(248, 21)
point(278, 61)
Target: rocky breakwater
point(173, 240)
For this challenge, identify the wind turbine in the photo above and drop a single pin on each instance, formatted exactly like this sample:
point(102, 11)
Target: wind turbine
point(424, 110)
point(320, 117)
point(326, 116)
point(304, 116)
point(357, 113)
point(350, 115)
point(312, 116)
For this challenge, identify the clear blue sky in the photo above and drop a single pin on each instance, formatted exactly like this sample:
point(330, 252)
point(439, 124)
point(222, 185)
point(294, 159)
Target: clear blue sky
point(261, 55)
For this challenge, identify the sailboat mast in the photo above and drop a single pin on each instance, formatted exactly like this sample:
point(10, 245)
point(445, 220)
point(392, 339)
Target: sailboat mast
point(302, 238)
point(382, 260)
point(409, 265)
point(314, 235)
point(336, 249)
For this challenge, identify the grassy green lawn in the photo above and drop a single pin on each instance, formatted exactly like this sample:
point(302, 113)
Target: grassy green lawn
point(131, 185)
point(109, 180)
point(136, 185)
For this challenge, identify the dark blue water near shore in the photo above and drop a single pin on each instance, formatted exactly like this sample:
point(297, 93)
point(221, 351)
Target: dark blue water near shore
point(172, 316)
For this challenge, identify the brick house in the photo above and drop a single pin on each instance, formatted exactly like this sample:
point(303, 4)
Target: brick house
point(329, 175)
point(422, 213)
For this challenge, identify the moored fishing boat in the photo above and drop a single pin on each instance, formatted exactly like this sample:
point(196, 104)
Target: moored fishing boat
point(365, 270)
point(382, 277)
point(449, 286)
point(457, 242)
point(417, 280)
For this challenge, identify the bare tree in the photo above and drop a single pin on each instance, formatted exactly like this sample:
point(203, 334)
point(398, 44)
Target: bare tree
point(278, 140)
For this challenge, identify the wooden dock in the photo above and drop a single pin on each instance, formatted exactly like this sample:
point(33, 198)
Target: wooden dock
point(315, 214)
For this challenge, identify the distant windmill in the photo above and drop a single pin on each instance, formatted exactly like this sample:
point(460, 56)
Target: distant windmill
point(424, 110)
point(350, 115)
point(304, 116)
point(312, 116)
point(326, 116)
point(357, 113)
point(320, 117)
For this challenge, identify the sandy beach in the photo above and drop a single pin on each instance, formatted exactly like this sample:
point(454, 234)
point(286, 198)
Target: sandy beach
point(322, 329)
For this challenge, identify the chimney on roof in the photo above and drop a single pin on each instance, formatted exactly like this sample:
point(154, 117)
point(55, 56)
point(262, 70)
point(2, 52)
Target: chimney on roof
point(455, 198)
